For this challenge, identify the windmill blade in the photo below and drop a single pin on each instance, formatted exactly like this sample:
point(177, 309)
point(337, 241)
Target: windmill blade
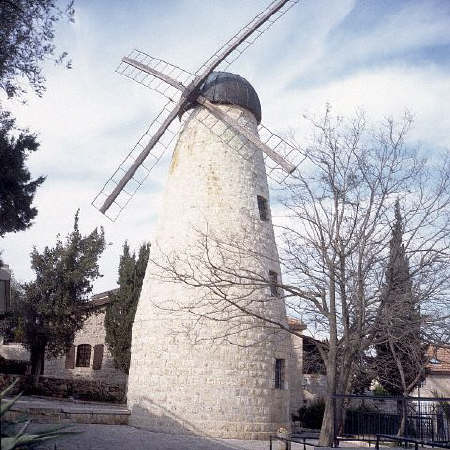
point(288, 151)
point(132, 172)
point(245, 37)
point(140, 67)
point(281, 157)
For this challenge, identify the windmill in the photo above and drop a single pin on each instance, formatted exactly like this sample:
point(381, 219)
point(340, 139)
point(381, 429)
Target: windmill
point(183, 90)
point(218, 179)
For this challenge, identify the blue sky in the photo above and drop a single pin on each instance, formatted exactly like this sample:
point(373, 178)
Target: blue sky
point(383, 56)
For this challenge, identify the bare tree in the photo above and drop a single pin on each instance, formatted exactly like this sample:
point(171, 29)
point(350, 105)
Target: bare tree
point(343, 202)
point(334, 246)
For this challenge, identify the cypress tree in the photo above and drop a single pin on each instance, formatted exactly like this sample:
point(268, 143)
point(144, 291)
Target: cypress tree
point(121, 310)
point(400, 352)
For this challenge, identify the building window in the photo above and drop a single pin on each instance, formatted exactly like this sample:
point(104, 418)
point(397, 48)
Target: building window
point(273, 280)
point(70, 358)
point(98, 357)
point(279, 373)
point(83, 355)
point(5, 294)
point(262, 206)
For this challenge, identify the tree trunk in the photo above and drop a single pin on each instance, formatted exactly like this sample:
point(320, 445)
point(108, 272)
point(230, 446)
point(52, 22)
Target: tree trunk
point(403, 415)
point(327, 430)
point(37, 357)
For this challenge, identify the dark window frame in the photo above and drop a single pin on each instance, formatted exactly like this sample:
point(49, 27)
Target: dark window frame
point(280, 373)
point(263, 208)
point(84, 352)
point(5, 296)
point(70, 358)
point(273, 281)
point(98, 356)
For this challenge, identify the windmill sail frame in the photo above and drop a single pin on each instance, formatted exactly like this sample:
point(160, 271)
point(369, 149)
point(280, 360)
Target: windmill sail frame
point(171, 90)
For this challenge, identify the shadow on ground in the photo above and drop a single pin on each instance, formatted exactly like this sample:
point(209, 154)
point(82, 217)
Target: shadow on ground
point(178, 434)
point(123, 437)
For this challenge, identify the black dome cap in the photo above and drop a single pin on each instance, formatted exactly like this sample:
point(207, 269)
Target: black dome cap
point(230, 89)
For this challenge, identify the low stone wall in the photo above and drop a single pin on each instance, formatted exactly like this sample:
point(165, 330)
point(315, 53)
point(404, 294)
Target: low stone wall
point(62, 388)
point(41, 410)
point(69, 416)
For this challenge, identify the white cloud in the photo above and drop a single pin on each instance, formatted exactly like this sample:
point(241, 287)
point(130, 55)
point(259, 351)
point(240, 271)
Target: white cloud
point(90, 117)
point(415, 25)
point(384, 92)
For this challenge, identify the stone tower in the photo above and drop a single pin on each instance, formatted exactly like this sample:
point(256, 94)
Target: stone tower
point(190, 374)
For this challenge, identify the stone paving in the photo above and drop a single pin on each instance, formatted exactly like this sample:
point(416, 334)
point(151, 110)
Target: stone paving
point(124, 437)
point(116, 437)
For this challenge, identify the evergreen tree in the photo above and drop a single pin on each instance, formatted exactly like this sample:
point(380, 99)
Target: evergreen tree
point(17, 189)
point(27, 30)
point(53, 306)
point(400, 353)
point(121, 310)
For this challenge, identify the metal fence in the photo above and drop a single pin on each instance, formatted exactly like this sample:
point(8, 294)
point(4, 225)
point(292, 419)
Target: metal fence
point(427, 420)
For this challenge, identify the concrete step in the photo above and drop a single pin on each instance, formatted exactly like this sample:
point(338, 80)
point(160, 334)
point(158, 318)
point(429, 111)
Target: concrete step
point(58, 411)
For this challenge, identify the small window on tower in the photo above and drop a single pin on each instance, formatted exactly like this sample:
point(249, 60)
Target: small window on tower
point(83, 355)
point(279, 373)
point(262, 206)
point(273, 280)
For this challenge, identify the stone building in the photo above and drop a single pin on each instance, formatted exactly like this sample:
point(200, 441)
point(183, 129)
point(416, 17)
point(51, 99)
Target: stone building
point(88, 358)
point(314, 372)
point(295, 367)
point(5, 287)
point(437, 370)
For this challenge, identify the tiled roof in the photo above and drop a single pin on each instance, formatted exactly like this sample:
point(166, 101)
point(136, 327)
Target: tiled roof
point(296, 324)
point(101, 299)
point(439, 360)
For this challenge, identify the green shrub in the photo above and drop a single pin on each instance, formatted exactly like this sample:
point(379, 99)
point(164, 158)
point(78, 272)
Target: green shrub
point(311, 416)
point(380, 391)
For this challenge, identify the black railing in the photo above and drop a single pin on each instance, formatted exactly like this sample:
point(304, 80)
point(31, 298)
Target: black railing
point(407, 442)
point(364, 417)
point(294, 439)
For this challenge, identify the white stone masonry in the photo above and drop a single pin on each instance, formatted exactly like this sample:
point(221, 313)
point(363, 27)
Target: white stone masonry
point(199, 363)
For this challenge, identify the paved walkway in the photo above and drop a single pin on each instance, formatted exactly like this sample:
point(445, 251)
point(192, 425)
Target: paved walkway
point(124, 437)
point(120, 437)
